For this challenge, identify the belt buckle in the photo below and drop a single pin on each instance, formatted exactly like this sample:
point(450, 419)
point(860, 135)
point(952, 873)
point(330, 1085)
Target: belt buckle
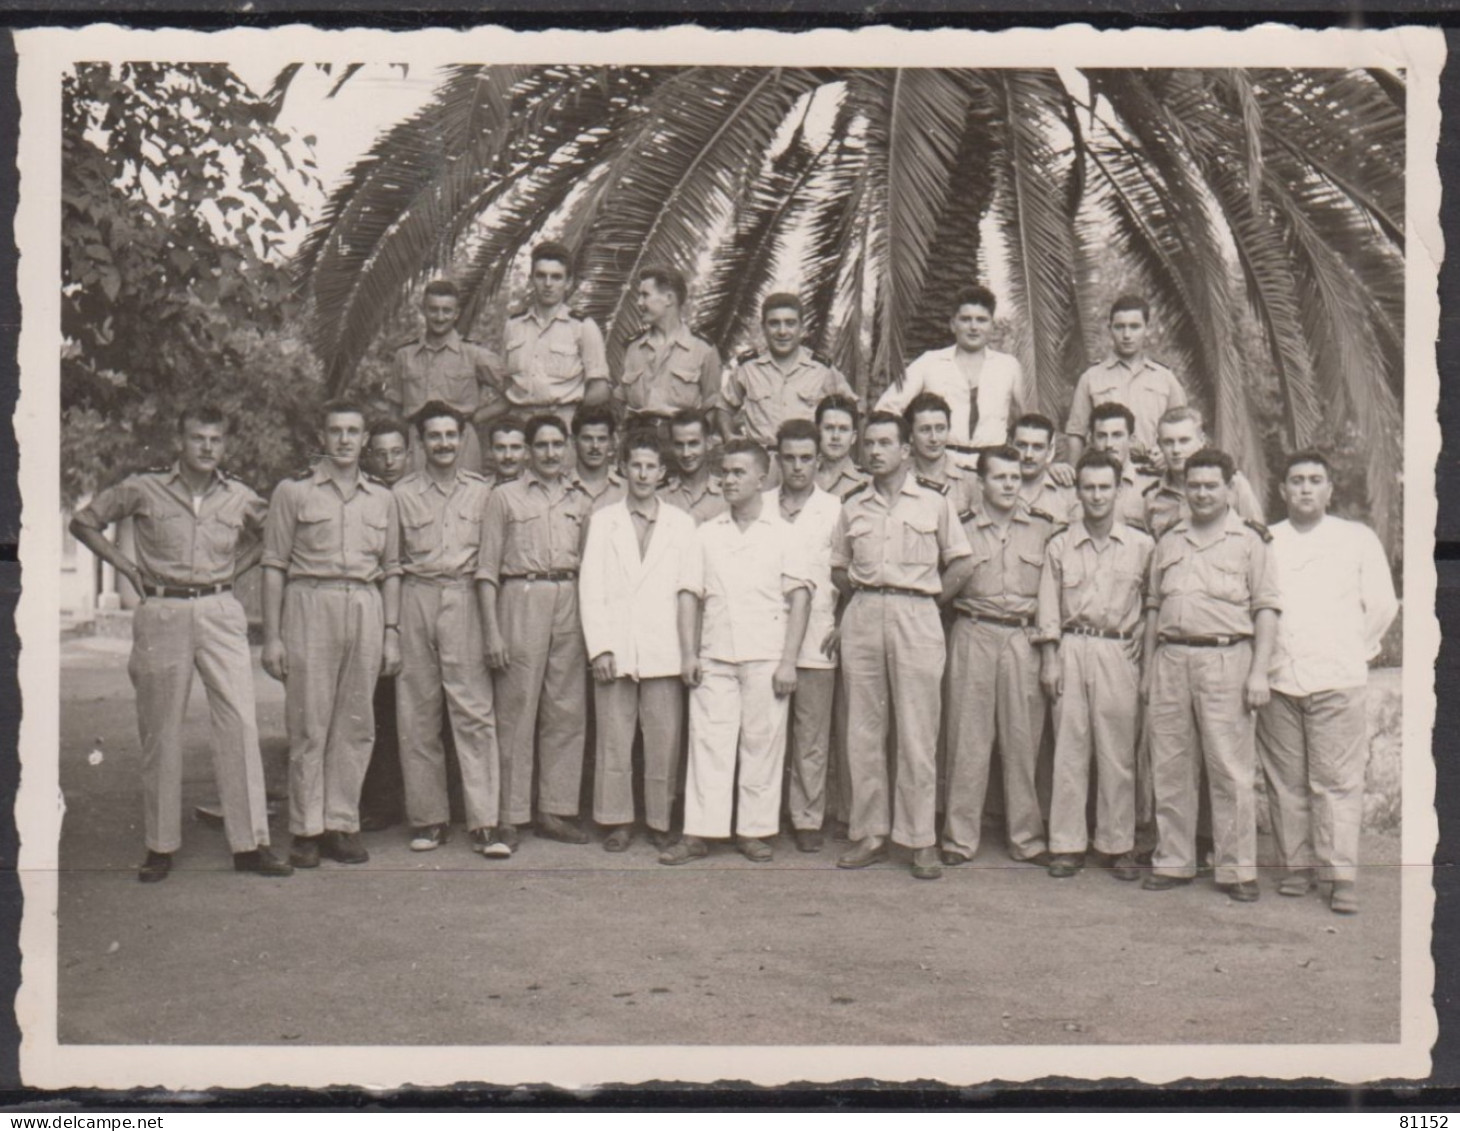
point(1225, 641)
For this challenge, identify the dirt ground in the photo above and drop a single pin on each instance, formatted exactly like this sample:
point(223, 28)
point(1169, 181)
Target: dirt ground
point(568, 945)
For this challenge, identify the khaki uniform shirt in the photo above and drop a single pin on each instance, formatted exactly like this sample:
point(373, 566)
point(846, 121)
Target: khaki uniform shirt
point(1130, 497)
point(441, 527)
point(902, 544)
point(454, 372)
point(1007, 563)
point(532, 526)
point(766, 396)
point(315, 530)
point(704, 503)
point(551, 362)
point(963, 488)
point(1090, 586)
point(682, 372)
point(1146, 387)
point(1212, 584)
point(840, 478)
point(1059, 502)
point(1166, 504)
point(176, 546)
point(611, 490)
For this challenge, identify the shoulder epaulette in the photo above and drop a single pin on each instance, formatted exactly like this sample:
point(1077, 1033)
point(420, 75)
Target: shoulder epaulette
point(520, 312)
point(822, 359)
point(155, 469)
point(745, 356)
point(370, 475)
point(1037, 513)
point(1262, 531)
point(1154, 485)
point(857, 490)
point(474, 476)
point(576, 315)
point(966, 516)
point(931, 484)
point(240, 480)
point(1059, 528)
point(407, 342)
point(303, 473)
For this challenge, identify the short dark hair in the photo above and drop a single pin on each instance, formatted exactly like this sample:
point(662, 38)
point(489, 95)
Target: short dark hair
point(839, 402)
point(881, 416)
point(1113, 410)
point(505, 424)
point(338, 408)
point(387, 426)
point(667, 279)
point(781, 300)
point(926, 402)
point(976, 295)
point(1211, 457)
point(557, 252)
point(1001, 451)
point(205, 413)
point(1130, 302)
point(1307, 455)
point(1097, 460)
point(743, 445)
point(443, 287)
point(586, 414)
point(538, 422)
point(644, 440)
point(431, 410)
point(689, 416)
point(798, 429)
point(1035, 420)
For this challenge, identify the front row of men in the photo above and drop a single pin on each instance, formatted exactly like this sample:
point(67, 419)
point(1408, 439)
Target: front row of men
point(468, 590)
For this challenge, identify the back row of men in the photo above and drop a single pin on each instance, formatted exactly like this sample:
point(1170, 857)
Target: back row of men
point(475, 594)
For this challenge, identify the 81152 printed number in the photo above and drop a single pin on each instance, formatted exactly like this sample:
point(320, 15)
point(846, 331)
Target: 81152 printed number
point(1424, 1122)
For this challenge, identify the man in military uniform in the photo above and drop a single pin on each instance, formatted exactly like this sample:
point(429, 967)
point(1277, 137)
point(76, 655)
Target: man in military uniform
point(1179, 434)
point(556, 359)
point(888, 543)
point(1312, 735)
point(196, 530)
point(443, 663)
point(927, 417)
point(695, 488)
point(994, 666)
point(1033, 439)
point(1213, 610)
point(507, 441)
point(1111, 428)
point(1091, 619)
point(330, 548)
point(593, 443)
point(1127, 377)
point(527, 572)
point(667, 367)
point(441, 365)
point(837, 421)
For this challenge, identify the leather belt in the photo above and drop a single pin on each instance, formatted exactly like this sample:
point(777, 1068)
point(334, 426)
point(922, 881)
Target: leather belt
point(546, 575)
point(439, 582)
point(894, 590)
point(1205, 641)
point(186, 592)
point(331, 583)
point(1102, 633)
point(1006, 622)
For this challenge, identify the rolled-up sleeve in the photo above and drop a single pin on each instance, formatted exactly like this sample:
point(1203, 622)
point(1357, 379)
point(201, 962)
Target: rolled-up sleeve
point(952, 540)
point(592, 351)
point(1050, 615)
point(711, 373)
point(279, 527)
point(1262, 579)
point(494, 537)
point(390, 565)
point(796, 571)
point(112, 504)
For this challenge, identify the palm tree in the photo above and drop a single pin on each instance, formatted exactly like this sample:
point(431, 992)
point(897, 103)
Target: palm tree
point(1274, 193)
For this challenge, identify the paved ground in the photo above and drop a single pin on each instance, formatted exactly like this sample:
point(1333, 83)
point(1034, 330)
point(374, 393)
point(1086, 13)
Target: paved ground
point(568, 945)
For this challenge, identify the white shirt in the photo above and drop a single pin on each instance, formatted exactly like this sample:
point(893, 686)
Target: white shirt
point(813, 525)
point(1000, 391)
point(1337, 600)
point(744, 578)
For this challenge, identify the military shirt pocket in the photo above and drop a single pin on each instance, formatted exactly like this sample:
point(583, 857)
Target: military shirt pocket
point(1228, 582)
point(920, 541)
point(375, 527)
point(169, 533)
point(1072, 573)
point(468, 523)
point(220, 535)
point(1031, 563)
point(315, 528)
point(420, 536)
point(563, 360)
point(684, 389)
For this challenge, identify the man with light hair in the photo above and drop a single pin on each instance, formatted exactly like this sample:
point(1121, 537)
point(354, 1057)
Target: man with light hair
point(1180, 434)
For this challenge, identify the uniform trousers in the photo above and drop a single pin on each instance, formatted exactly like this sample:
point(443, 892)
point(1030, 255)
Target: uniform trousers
point(622, 707)
point(1197, 715)
point(892, 657)
point(838, 771)
point(382, 795)
point(443, 665)
point(810, 746)
point(1314, 750)
point(996, 699)
point(737, 750)
point(333, 640)
point(1095, 717)
point(543, 691)
point(172, 637)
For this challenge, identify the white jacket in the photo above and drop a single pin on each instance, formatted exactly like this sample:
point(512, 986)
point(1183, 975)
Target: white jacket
point(630, 606)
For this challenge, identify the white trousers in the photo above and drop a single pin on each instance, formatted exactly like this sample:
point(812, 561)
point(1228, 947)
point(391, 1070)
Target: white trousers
point(735, 719)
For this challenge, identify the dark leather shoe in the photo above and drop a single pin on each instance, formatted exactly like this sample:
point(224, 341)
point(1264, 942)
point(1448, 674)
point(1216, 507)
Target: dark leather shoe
point(304, 852)
point(1154, 882)
point(1039, 859)
point(261, 862)
point(619, 840)
point(560, 829)
point(868, 850)
point(809, 840)
point(1064, 865)
point(754, 849)
point(953, 859)
point(1296, 884)
point(509, 835)
point(925, 864)
point(690, 848)
point(1245, 892)
point(343, 847)
point(1126, 868)
point(662, 838)
point(155, 868)
point(1344, 899)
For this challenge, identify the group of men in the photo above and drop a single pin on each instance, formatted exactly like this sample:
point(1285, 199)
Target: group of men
point(760, 620)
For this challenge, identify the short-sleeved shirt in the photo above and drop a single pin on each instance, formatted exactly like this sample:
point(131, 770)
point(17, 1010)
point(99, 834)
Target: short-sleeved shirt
point(664, 375)
point(702, 502)
point(900, 544)
point(175, 544)
point(550, 361)
point(1211, 583)
point(814, 523)
point(1087, 585)
point(744, 578)
point(611, 490)
point(316, 530)
point(1166, 504)
point(963, 488)
point(1144, 386)
point(1052, 499)
point(1007, 561)
point(766, 396)
point(839, 478)
point(532, 526)
point(1130, 497)
point(455, 371)
point(441, 525)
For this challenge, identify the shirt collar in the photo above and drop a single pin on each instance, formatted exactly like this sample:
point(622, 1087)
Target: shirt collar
point(559, 314)
point(1082, 532)
point(451, 342)
point(216, 479)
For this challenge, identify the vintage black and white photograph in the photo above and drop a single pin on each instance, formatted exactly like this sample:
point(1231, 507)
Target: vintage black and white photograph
point(582, 558)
